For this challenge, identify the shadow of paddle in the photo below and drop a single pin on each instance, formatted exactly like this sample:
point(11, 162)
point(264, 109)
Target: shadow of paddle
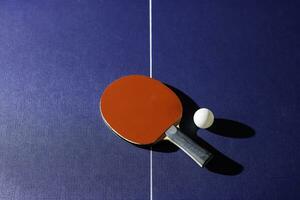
point(220, 163)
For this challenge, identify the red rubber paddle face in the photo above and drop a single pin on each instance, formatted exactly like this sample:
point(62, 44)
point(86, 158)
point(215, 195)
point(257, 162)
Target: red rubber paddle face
point(140, 109)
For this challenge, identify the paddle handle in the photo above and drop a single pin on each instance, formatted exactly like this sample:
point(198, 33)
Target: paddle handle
point(197, 153)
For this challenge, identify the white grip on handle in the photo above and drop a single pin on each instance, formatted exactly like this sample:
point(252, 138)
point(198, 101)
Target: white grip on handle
point(197, 153)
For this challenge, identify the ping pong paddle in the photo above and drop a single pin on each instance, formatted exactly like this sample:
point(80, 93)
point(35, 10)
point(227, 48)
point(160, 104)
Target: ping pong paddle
point(144, 111)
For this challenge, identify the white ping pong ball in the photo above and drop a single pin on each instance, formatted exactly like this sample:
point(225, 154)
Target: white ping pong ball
point(203, 118)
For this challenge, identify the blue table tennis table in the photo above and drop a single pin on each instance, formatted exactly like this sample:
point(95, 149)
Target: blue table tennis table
point(241, 59)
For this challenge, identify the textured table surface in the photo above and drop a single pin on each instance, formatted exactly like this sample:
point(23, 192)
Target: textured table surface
point(241, 59)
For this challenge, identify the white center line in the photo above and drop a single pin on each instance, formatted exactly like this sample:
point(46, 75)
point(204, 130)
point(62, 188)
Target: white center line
point(150, 35)
point(151, 190)
point(150, 64)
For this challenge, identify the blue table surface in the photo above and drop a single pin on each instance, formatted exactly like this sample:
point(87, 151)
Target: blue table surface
point(241, 59)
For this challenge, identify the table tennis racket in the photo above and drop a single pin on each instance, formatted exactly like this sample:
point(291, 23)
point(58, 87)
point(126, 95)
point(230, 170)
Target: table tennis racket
point(144, 111)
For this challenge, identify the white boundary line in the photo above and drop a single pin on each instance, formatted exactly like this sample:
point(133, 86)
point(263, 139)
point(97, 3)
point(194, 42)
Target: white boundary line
point(150, 65)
